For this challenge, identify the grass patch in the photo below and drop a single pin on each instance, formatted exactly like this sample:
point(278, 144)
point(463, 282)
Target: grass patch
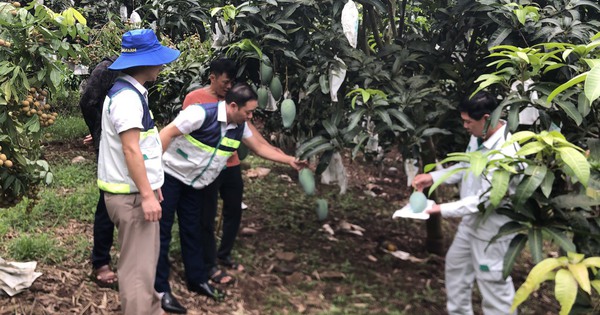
point(68, 128)
point(41, 247)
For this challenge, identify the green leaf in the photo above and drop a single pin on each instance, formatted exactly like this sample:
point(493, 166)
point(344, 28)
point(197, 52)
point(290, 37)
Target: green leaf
point(577, 162)
point(560, 239)
point(331, 129)
point(403, 118)
point(514, 251)
point(565, 290)
point(574, 81)
point(535, 244)
point(531, 148)
point(592, 84)
point(526, 188)
point(570, 110)
point(574, 200)
point(477, 163)
point(511, 227)
point(500, 180)
point(596, 285)
point(385, 117)
point(444, 177)
point(546, 185)
point(318, 149)
point(318, 140)
point(520, 137)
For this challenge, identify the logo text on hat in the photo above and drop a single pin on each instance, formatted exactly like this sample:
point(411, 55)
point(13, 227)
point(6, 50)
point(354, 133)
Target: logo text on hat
point(128, 50)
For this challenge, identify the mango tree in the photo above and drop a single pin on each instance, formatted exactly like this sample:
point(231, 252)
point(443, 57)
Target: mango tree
point(35, 43)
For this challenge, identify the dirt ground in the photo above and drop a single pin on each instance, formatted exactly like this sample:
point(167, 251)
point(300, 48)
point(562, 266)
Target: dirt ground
point(292, 265)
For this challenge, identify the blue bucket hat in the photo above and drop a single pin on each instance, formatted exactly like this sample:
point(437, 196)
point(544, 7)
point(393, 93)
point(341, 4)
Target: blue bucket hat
point(141, 48)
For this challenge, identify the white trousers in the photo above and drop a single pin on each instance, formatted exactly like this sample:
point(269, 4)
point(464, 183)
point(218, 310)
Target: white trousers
point(468, 260)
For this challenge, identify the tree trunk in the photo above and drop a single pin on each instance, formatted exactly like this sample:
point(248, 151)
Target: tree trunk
point(434, 242)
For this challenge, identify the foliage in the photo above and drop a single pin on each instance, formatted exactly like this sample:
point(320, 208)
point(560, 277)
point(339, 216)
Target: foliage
point(35, 44)
point(180, 77)
point(569, 274)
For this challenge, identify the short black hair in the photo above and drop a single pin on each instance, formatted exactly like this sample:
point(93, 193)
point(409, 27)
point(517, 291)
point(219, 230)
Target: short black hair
point(240, 94)
point(478, 105)
point(223, 65)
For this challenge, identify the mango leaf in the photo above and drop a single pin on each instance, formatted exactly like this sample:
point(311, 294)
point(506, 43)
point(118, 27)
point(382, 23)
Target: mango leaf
point(331, 129)
point(546, 186)
point(596, 285)
point(571, 111)
point(514, 251)
point(498, 37)
point(477, 163)
point(574, 81)
point(535, 244)
point(531, 182)
point(318, 149)
point(511, 227)
point(538, 274)
point(500, 180)
point(577, 162)
point(574, 200)
point(531, 148)
point(592, 262)
point(581, 275)
point(560, 239)
point(403, 118)
point(519, 137)
point(565, 290)
point(445, 177)
point(592, 84)
point(304, 147)
point(583, 105)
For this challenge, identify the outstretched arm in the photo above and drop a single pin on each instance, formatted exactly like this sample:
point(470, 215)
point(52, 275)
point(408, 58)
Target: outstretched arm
point(269, 152)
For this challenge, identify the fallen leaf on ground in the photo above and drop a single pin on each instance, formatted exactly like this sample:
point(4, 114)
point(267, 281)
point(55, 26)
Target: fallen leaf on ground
point(258, 172)
point(285, 256)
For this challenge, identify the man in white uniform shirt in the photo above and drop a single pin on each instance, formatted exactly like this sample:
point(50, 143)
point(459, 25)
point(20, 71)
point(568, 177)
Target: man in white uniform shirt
point(471, 256)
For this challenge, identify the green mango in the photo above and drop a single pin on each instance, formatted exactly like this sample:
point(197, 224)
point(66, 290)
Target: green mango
point(266, 73)
point(263, 97)
point(288, 112)
point(322, 209)
point(418, 201)
point(276, 88)
point(307, 181)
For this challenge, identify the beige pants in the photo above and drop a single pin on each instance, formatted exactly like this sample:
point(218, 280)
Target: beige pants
point(139, 244)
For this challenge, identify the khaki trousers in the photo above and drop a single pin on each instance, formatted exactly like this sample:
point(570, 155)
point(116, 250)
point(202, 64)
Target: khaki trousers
point(139, 246)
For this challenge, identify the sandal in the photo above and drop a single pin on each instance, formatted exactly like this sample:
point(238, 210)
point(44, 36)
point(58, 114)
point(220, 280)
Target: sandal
point(104, 277)
point(233, 265)
point(219, 276)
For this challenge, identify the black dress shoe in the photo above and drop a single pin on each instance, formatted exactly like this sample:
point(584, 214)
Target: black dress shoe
point(171, 305)
point(206, 289)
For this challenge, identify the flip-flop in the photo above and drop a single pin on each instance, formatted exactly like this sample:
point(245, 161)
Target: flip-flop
point(104, 277)
point(233, 265)
point(218, 276)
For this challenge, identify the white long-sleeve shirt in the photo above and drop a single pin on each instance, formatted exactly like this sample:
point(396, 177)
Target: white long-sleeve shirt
point(472, 189)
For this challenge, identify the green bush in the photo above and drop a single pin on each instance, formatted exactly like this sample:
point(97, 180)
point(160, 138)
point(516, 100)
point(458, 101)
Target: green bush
point(68, 128)
point(41, 248)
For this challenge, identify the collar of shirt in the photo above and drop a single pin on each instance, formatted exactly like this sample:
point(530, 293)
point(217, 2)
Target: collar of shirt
point(135, 84)
point(222, 115)
point(499, 134)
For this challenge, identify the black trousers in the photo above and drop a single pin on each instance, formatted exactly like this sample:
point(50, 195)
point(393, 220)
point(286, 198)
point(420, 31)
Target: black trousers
point(230, 186)
point(103, 235)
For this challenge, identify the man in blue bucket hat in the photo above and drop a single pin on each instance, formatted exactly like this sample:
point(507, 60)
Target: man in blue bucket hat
point(130, 169)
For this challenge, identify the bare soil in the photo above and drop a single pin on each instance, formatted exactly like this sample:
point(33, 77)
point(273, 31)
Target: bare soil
point(292, 265)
